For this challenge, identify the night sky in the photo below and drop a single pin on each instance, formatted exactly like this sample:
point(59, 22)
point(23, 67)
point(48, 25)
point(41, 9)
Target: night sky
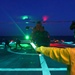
point(59, 16)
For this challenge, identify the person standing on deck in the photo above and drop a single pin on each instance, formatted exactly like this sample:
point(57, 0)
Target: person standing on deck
point(63, 55)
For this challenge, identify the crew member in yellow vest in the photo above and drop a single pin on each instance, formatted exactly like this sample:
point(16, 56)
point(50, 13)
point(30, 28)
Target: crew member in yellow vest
point(64, 55)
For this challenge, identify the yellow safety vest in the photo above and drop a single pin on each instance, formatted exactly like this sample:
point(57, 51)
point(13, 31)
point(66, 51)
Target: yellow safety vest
point(64, 55)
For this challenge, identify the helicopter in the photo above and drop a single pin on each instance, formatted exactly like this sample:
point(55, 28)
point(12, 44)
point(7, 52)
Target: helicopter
point(39, 35)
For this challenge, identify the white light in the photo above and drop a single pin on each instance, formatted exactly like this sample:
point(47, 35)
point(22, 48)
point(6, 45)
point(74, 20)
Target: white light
point(33, 45)
point(39, 54)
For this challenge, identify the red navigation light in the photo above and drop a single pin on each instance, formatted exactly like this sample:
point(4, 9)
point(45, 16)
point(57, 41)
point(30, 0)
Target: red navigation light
point(45, 18)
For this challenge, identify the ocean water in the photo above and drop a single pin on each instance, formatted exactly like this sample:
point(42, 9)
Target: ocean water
point(65, 38)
